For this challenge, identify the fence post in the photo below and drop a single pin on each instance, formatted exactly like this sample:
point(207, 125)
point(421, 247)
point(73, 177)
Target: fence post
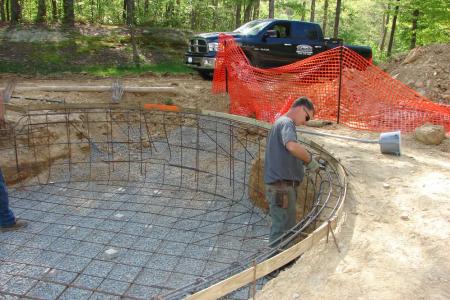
point(226, 80)
point(340, 81)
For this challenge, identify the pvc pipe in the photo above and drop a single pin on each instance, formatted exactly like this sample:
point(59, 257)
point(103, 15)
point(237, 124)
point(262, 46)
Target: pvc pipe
point(338, 136)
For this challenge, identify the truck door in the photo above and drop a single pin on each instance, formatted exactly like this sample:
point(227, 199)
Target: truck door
point(274, 51)
point(307, 40)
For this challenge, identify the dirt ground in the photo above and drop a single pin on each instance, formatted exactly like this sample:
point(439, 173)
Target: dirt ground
point(395, 240)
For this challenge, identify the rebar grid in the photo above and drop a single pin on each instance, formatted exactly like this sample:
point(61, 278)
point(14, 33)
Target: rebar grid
point(137, 204)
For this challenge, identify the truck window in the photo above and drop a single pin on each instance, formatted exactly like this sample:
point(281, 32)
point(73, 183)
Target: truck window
point(283, 30)
point(252, 27)
point(307, 32)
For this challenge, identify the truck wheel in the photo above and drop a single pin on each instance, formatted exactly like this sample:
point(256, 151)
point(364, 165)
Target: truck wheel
point(206, 74)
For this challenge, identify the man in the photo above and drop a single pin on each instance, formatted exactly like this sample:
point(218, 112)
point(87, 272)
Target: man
point(8, 221)
point(283, 170)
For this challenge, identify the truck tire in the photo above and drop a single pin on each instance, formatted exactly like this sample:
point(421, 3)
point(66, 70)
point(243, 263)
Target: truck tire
point(206, 74)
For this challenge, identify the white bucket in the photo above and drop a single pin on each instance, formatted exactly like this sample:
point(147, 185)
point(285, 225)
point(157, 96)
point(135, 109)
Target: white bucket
point(390, 142)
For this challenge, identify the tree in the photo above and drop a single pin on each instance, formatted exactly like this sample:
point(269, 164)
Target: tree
point(303, 11)
point(325, 17)
point(394, 23)
point(54, 11)
point(2, 11)
point(124, 10)
point(336, 19)
point(42, 11)
point(145, 7)
point(130, 22)
point(256, 9)
point(16, 11)
point(415, 17)
point(68, 14)
point(129, 12)
point(238, 13)
point(271, 9)
point(248, 11)
point(313, 10)
point(385, 24)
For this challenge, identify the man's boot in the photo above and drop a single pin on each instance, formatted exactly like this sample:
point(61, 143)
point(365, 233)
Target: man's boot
point(16, 226)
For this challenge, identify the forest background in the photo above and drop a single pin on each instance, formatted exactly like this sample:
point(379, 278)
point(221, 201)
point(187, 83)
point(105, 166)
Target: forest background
point(387, 26)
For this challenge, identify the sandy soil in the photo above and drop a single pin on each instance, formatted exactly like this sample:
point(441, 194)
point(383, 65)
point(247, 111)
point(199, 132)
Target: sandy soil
point(395, 239)
point(394, 243)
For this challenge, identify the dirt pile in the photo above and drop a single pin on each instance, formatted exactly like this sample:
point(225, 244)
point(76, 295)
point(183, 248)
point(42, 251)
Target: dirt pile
point(425, 69)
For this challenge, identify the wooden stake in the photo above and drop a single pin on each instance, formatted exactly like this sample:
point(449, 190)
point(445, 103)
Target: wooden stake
point(254, 280)
point(334, 237)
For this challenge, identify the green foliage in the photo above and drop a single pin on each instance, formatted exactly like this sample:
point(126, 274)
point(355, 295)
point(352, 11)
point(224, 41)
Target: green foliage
point(361, 22)
point(433, 22)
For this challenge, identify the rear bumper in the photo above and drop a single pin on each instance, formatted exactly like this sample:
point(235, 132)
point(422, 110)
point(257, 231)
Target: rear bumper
point(200, 62)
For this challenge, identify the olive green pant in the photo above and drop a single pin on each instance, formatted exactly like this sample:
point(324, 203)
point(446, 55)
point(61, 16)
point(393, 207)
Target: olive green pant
point(283, 219)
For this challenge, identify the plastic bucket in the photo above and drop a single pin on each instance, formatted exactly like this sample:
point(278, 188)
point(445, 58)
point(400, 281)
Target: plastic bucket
point(390, 142)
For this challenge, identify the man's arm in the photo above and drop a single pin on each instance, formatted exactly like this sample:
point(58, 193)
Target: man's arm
point(298, 151)
point(301, 153)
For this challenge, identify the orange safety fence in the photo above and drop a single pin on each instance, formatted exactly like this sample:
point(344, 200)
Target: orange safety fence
point(343, 86)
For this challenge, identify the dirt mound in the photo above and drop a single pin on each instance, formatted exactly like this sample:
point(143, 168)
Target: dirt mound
point(425, 69)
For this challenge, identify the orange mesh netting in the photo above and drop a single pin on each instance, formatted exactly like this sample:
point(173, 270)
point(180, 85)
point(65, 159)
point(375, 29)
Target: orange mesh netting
point(369, 98)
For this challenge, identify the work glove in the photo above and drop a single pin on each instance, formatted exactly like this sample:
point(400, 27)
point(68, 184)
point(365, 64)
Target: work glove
point(313, 165)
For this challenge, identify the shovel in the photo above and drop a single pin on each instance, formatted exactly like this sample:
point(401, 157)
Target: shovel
point(390, 142)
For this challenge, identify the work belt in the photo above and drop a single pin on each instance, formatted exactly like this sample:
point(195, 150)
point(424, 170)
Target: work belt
point(285, 183)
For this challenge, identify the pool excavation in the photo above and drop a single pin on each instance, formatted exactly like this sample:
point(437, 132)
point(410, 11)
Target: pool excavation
point(149, 202)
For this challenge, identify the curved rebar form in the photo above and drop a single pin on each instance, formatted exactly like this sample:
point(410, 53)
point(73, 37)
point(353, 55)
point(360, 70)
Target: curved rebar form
point(135, 203)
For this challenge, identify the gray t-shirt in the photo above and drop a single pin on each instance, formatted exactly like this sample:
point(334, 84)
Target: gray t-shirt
point(280, 164)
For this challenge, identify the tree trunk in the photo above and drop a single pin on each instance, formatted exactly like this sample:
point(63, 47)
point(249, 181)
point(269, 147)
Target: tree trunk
point(325, 17)
point(92, 5)
point(145, 7)
point(248, 11)
point(42, 12)
point(385, 27)
point(336, 19)
point(271, 9)
point(313, 10)
point(2, 11)
point(8, 12)
point(16, 12)
point(130, 12)
point(394, 23)
point(238, 13)
point(124, 10)
point(54, 11)
point(169, 12)
point(131, 21)
point(303, 11)
point(415, 18)
point(215, 4)
point(256, 9)
point(193, 17)
point(69, 15)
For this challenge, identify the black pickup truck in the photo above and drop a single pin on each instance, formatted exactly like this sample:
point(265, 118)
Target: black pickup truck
point(267, 43)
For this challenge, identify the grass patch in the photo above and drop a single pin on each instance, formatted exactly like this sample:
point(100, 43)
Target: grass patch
point(99, 55)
